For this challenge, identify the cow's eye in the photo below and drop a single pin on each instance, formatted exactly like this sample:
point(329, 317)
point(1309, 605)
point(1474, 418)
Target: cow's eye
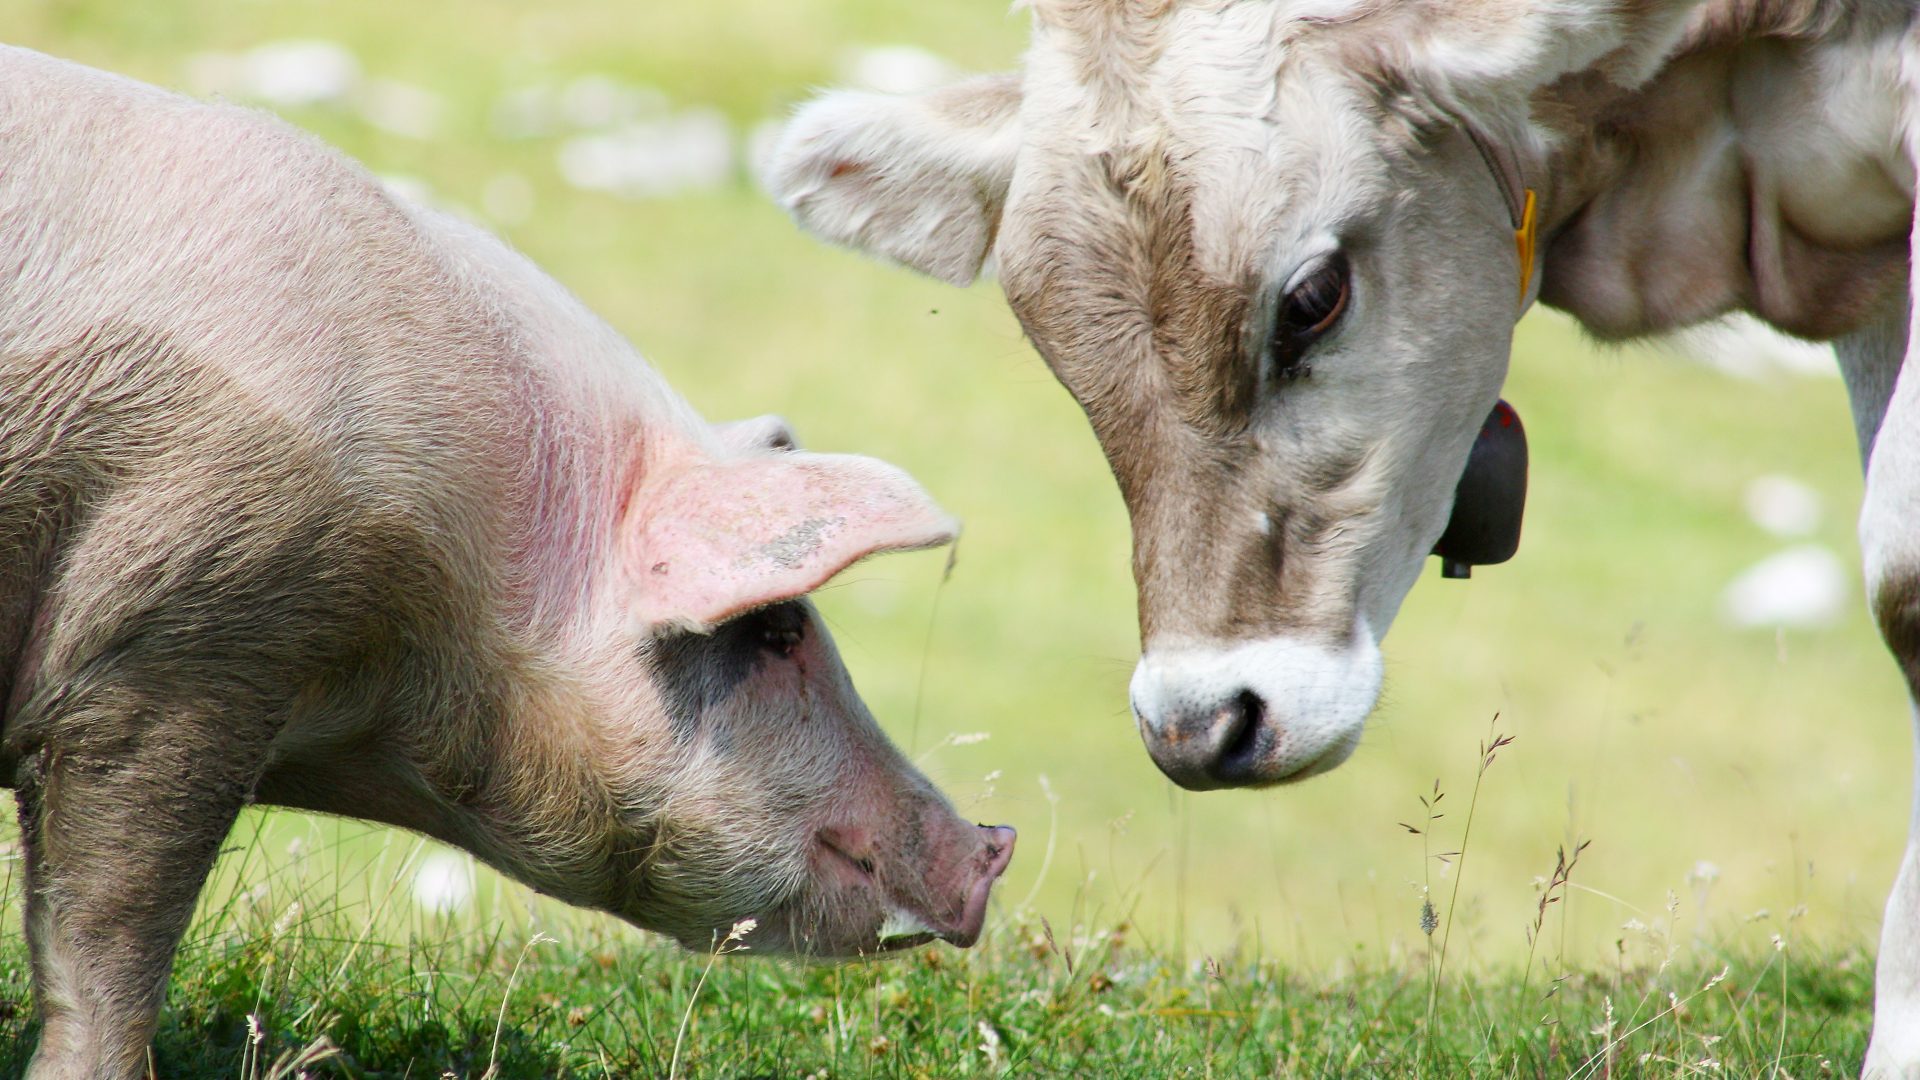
point(1311, 308)
point(779, 628)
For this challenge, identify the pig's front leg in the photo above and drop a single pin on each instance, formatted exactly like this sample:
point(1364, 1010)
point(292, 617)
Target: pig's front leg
point(119, 839)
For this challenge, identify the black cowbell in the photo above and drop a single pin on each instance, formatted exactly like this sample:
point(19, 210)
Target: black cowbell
point(1488, 504)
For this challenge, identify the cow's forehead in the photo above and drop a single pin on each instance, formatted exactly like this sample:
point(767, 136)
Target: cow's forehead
point(1263, 142)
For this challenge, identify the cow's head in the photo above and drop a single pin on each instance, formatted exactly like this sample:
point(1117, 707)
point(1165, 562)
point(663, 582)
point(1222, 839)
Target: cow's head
point(1269, 247)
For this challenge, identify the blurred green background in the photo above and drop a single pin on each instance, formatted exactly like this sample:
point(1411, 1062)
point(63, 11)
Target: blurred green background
point(1749, 772)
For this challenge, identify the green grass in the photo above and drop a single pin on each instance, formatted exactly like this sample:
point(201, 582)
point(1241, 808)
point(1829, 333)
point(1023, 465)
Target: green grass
point(1743, 771)
point(284, 980)
point(1005, 1012)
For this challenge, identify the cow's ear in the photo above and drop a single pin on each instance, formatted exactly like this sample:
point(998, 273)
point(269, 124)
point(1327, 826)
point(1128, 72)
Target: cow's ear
point(918, 179)
point(705, 540)
point(1495, 51)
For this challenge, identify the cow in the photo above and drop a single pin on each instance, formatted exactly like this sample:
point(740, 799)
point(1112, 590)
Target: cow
point(1276, 250)
point(313, 497)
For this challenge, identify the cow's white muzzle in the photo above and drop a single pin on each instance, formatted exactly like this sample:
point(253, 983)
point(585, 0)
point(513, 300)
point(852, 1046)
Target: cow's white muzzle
point(1251, 713)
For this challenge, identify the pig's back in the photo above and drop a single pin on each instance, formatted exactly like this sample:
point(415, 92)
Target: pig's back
point(247, 244)
point(225, 352)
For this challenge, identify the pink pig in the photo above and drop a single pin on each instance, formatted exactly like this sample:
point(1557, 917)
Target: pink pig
point(314, 498)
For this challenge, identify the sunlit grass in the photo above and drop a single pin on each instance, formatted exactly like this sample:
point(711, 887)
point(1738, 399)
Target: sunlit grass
point(312, 957)
point(1743, 771)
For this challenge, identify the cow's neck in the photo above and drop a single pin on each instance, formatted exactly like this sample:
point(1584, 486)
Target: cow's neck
point(1758, 173)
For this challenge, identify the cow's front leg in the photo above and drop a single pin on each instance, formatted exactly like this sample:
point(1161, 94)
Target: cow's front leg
point(1895, 1047)
point(119, 839)
point(1885, 393)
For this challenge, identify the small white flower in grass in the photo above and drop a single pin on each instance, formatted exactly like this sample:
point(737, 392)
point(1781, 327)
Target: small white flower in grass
point(444, 883)
point(286, 920)
point(1779, 943)
point(1703, 873)
point(254, 1034)
point(594, 101)
point(1802, 587)
point(990, 1045)
point(1605, 1030)
point(740, 930)
point(1782, 505)
point(690, 150)
point(1716, 981)
point(303, 72)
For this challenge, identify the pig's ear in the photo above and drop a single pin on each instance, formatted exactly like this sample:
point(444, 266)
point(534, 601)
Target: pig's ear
point(713, 539)
point(918, 178)
point(767, 432)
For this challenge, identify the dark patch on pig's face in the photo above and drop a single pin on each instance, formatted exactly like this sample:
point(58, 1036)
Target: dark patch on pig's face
point(697, 673)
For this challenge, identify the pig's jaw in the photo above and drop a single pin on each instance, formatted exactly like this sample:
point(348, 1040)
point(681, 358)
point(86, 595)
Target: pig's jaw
point(882, 903)
point(865, 902)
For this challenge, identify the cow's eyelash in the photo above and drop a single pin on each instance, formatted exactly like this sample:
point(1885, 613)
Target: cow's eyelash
point(1310, 308)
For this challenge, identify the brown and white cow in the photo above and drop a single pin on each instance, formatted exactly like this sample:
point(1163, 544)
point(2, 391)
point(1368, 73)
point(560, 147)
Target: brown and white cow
point(1276, 249)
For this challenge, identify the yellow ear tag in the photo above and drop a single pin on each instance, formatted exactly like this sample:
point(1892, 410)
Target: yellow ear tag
point(1524, 239)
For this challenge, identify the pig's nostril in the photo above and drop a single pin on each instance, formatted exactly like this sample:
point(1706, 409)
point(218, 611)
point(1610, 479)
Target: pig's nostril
point(997, 848)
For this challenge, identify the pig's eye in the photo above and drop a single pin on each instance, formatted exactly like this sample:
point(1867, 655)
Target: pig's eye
point(780, 628)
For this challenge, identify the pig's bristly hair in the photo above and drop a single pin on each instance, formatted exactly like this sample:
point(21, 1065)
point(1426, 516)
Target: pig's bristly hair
point(329, 485)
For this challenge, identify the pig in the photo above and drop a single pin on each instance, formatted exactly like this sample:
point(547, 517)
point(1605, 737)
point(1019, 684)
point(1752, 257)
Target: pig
point(311, 497)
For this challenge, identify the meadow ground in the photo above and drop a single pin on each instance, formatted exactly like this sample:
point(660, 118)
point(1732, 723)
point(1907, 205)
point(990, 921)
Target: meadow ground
point(1734, 784)
point(282, 980)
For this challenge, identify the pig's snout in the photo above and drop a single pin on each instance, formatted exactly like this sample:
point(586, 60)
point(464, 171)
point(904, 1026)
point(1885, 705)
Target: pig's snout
point(938, 896)
point(996, 851)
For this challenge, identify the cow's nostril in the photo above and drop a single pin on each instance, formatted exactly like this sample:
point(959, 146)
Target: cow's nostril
point(1259, 712)
point(1239, 737)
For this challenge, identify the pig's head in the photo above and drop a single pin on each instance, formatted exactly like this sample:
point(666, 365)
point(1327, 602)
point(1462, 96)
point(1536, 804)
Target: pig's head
point(753, 783)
